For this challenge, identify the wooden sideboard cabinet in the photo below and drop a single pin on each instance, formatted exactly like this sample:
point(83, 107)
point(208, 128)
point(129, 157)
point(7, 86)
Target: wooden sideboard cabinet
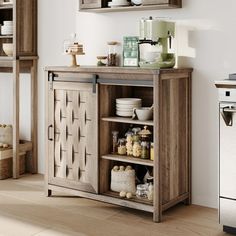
point(81, 116)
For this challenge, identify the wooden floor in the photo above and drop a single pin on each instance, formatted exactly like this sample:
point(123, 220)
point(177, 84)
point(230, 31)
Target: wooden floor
point(24, 210)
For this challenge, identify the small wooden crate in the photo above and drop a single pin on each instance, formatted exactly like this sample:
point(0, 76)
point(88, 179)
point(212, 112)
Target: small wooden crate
point(6, 163)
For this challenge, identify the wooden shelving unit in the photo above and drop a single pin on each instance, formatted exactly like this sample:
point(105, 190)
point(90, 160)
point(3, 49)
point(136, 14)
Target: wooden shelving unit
point(127, 159)
point(23, 13)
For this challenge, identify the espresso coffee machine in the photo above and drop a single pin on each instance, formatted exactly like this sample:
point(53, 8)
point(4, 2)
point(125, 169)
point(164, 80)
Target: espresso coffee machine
point(156, 43)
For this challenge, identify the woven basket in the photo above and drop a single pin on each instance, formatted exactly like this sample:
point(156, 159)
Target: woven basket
point(6, 163)
point(123, 181)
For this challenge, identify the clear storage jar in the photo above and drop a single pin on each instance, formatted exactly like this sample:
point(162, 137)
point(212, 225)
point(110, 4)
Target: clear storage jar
point(112, 59)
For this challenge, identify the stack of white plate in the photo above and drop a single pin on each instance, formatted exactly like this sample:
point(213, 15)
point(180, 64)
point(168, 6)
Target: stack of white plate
point(118, 3)
point(7, 28)
point(125, 106)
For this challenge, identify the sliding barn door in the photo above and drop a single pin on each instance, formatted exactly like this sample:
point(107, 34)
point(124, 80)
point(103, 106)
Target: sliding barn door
point(72, 136)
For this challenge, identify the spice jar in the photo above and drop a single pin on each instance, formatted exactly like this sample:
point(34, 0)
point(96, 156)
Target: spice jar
point(145, 143)
point(112, 59)
point(122, 146)
point(114, 141)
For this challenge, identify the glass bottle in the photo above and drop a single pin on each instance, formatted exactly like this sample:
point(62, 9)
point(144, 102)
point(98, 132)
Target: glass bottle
point(112, 59)
point(114, 141)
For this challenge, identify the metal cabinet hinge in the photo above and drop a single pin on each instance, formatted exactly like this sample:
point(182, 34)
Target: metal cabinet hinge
point(95, 78)
point(50, 80)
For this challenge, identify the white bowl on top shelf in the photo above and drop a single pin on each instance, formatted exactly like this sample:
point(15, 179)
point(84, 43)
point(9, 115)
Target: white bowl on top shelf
point(8, 49)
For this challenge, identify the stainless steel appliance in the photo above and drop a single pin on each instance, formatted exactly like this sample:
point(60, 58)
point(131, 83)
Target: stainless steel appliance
point(227, 163)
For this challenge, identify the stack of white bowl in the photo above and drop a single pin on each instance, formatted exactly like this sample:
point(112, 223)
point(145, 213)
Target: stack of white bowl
point(125, 106)
point(7, 28)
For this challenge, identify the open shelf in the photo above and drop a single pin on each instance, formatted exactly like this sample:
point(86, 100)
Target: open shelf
point(131, 8)
point(6, 36)
point(6, 6)
point(127, 159)
point(128, 121)
point(25, 146)
point(133, 199)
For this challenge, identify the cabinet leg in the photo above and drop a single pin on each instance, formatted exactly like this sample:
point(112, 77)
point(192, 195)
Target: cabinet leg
point(48, 192)
point(188, 201)
point(34, 117)
point(157, 218)
point(16, 110)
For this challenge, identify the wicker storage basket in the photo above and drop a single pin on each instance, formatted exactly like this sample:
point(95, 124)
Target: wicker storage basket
point(123, 181)
point(6, 163)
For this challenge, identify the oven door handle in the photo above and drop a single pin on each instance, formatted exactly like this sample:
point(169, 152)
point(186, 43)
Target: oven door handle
point(227, 114)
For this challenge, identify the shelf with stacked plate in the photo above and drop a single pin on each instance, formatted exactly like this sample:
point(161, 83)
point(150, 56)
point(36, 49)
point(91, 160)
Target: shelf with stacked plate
point(18, 54)
point(125, 151)
point(102, 6)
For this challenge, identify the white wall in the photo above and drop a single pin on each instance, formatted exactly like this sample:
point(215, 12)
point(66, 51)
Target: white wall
point(213, 36)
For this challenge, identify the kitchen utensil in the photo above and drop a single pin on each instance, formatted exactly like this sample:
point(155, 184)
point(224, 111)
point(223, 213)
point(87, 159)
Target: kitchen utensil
point(8, 49)
point(143, 113)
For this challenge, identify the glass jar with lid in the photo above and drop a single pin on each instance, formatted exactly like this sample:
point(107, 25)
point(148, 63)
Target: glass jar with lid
point(122, 146)
point(145, 143)
point(112, 59)
point(142, 191)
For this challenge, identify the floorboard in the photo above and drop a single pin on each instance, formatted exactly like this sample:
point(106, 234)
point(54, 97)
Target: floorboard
point(24, 210)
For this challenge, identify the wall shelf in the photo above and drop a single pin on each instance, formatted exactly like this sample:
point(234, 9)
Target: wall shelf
point(131, 8)
point(128, 159)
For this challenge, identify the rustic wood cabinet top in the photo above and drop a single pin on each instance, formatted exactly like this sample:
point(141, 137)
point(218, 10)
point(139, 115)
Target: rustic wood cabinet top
point(116, 70)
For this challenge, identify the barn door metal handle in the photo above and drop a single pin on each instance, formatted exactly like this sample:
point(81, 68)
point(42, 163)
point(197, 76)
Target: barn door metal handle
point(49, 127)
